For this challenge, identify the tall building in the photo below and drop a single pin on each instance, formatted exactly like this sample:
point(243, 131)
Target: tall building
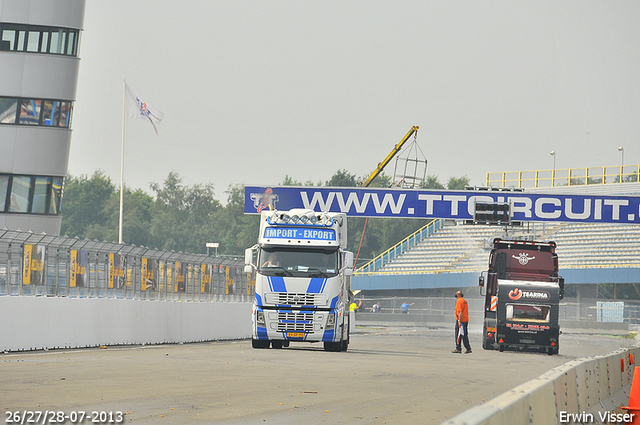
point(39, 62)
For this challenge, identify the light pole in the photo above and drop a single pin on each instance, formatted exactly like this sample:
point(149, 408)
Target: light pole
point(553, 173)
point(621, 149)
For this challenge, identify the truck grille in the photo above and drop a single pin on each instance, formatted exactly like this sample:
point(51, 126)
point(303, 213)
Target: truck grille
point(291, 321)
point(292, 298)
point(295, 317)
point(299, 327)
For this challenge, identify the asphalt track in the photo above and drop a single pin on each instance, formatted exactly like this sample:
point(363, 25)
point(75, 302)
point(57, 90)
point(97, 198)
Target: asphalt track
point(390, 375)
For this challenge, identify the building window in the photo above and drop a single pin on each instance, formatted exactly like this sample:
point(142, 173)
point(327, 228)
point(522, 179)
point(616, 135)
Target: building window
point(55, 113)
point(65, 114)
point(55, 196)
point(30, 111)
point(40, 192)
point(19, 198)
point(38, 39)
point(4, 185)
point(8, 110)
point(30, 194)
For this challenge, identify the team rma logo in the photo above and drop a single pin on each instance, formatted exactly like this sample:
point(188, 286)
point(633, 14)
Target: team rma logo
point(515, 294)
point(262, 201)
point(523, 258)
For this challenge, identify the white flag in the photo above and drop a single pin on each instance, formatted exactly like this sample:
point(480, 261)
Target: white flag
point(136, 108)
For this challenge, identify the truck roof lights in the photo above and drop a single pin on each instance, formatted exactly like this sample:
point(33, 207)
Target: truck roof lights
point(284, 218)
point(307, 218)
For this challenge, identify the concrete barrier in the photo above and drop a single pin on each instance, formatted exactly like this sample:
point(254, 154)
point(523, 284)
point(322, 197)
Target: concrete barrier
point(35, 323)
point(587, 387)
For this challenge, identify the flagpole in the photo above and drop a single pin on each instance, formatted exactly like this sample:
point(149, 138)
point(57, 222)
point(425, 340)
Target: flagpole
point(124, 119)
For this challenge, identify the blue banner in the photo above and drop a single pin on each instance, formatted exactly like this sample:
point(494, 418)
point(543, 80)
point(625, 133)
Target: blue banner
point(454, 204)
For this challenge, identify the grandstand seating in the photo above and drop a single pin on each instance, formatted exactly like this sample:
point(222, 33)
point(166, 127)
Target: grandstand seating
point(592, 245)
point(465, 248)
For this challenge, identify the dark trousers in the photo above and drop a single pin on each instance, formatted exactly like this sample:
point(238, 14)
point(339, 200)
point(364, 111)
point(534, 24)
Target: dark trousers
point(463, 339)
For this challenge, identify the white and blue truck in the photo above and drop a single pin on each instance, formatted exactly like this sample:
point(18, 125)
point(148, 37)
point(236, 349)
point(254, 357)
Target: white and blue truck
point(303, 275)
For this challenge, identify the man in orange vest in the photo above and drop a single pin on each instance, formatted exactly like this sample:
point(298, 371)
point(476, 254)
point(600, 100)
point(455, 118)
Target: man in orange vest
point(462, 322)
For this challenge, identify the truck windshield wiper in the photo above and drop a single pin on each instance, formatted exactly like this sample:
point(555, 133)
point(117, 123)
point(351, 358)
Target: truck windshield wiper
point(278, 270)
point(314, 270)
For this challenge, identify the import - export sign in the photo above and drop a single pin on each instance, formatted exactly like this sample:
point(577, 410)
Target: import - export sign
point(415, 203)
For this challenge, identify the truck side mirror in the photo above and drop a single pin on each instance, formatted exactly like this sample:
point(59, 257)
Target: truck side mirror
point(561, 285)
point(248, 260)
point(348, 259)
point(481, 281)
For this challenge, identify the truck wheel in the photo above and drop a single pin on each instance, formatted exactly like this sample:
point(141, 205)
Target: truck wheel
point(501, 348)
point(484, 339)
point(332, 346)
point(345, 343)
point(257, 343)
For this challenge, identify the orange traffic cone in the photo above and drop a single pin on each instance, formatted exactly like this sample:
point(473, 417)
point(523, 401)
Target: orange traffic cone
point(634, 398)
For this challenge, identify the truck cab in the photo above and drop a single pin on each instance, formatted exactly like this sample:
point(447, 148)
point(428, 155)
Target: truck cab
point(522, 293)
point(303, 275)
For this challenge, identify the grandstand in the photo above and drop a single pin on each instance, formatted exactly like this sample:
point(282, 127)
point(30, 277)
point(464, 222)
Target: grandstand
point(598, 245)
point(459, 247)
point(450, 247)
point(447, 246)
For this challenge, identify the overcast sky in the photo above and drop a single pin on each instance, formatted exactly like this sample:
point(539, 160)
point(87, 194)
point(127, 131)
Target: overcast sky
point(252, 91)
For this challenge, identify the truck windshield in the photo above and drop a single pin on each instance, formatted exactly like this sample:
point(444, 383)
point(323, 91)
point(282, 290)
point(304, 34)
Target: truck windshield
point(280, 261)
point(527, 313)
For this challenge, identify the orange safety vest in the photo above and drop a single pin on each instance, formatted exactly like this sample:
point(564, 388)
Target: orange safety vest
point(462, 309)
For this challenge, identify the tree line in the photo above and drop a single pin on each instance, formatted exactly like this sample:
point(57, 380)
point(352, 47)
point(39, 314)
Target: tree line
point(184, 218)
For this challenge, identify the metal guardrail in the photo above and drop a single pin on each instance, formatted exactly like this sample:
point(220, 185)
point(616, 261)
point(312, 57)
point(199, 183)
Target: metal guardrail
point(402, 246)
point(564, 177)
point(571, 309)
point(443, 270)
point(46, 265)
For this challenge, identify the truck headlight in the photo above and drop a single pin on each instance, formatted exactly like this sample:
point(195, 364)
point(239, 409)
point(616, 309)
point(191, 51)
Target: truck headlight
point(260, 318)
point(331, 321)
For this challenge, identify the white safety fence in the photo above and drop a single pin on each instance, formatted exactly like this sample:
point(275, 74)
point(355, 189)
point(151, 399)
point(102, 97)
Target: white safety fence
point(37, 323)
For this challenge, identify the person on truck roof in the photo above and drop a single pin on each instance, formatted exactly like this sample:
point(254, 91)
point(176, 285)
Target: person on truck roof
point(462, 324)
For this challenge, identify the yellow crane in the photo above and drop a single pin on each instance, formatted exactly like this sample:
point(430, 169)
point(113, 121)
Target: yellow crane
point(393, 152)
point(375, 173)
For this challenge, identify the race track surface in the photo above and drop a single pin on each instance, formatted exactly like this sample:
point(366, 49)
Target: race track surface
point(390, 375)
